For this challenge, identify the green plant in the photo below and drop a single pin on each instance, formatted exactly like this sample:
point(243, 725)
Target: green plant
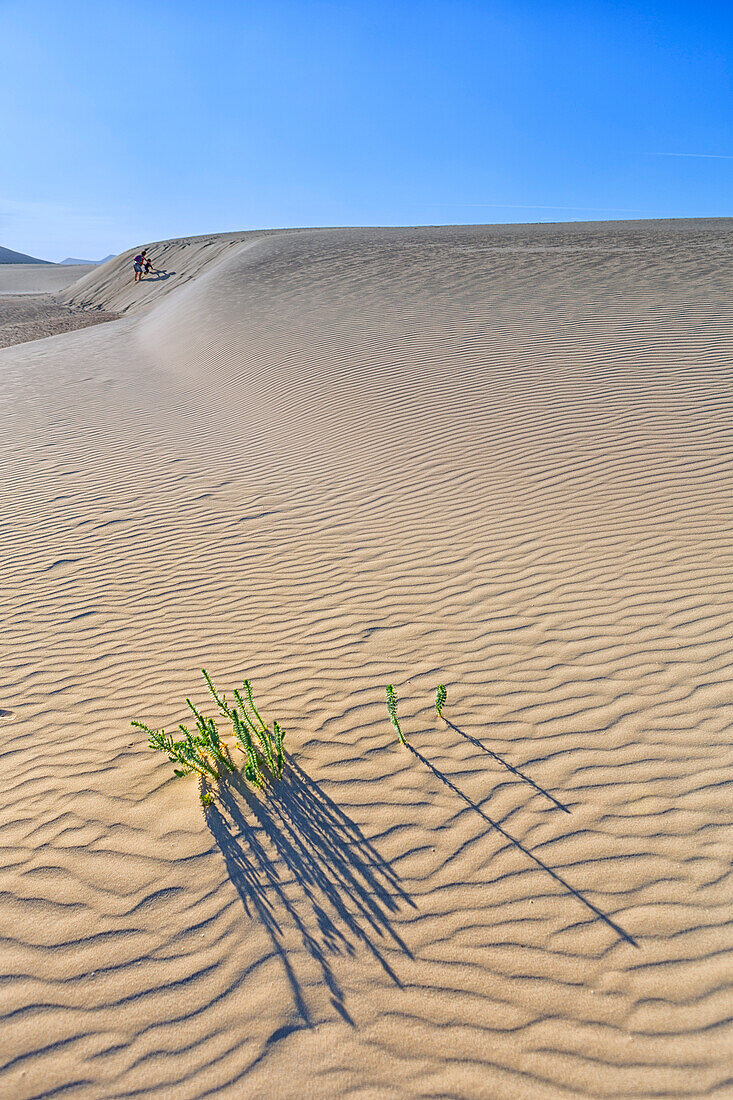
point(189, 752)
point(245, 725)
point(208, 737)
point(440, 697)
point(392, 709)
point(204, 752)
point(252, 770)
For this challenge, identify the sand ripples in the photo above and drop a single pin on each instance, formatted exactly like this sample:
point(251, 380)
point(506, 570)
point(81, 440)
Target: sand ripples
point(497, 458)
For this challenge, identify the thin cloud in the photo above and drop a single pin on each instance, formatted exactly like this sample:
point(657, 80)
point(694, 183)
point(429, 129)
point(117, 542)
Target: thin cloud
point(539, 206)
point(703, 156)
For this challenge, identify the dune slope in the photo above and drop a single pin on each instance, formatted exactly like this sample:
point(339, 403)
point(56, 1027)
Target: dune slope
point(175, 263)
point(493, 457)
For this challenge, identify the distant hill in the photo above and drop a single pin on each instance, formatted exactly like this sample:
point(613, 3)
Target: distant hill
point(7, 256)
point(96, 263)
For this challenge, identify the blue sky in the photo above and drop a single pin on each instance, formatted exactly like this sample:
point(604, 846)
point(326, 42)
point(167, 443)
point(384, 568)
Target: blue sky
point(123, 122)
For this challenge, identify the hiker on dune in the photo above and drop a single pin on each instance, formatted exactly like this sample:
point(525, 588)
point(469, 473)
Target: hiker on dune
point(142, 265)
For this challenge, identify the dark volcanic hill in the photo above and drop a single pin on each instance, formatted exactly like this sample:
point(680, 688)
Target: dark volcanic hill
point(7, 256)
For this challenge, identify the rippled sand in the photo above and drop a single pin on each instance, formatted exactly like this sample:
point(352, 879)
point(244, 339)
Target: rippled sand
point(496, 457)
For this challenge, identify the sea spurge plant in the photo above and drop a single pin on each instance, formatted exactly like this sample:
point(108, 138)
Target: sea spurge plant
point(392, 710)
point(270, 742)
point(220, 700)
point(208, 738)
point(259, 729)
point(250, 699)
point(187, 752)
point(278, 735)
point(204, 752)
point(243, 735)
point(252, 734)
point(440, 697)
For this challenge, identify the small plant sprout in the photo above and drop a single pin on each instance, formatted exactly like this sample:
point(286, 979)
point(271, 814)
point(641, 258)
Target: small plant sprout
point(257, 727)
point(250, 699)
point(440, 697)
point(392, 709)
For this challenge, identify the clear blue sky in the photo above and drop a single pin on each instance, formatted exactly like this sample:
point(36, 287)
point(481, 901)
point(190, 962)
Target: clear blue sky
point(122, 122)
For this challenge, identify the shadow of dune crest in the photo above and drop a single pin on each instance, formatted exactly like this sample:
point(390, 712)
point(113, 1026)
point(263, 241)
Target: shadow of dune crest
point(300, 864)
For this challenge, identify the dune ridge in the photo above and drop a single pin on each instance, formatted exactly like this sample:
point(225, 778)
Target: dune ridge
point(176, 262)
point(496, 457)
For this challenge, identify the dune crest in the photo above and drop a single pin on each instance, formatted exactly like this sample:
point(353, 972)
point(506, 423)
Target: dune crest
point(110, 286)
point(496, 458)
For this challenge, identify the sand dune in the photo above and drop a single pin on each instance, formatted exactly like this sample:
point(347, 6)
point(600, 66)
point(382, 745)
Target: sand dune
point(176, 262)
point(496, 457)
point(37, 278)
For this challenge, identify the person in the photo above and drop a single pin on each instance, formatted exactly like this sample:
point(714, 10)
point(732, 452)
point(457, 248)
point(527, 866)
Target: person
point(138, 264)
point(142, 265)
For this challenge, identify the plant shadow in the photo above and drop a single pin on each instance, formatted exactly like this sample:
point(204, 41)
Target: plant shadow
point(518, 844)
point(500, 760)
point(300, 864)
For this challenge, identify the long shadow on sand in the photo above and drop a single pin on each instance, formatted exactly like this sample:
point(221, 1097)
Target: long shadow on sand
point(505, 763)
point(157, 276)
point(304, 865)
point(527, 852)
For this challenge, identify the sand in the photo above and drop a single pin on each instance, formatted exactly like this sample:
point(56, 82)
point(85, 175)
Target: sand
point(29, 308)
point(18, 279)
point(175, 263)
point(25, 317)
point(493, 457)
